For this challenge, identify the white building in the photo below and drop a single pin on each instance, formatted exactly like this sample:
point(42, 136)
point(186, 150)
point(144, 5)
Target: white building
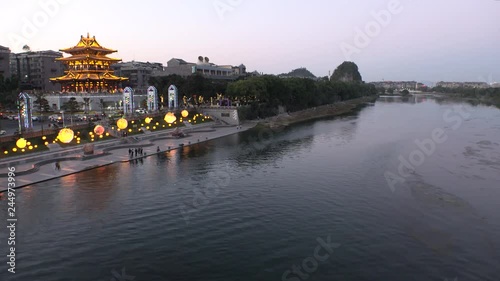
point(204, 67)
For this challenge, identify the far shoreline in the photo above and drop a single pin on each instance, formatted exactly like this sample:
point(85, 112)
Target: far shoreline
point(319, 112)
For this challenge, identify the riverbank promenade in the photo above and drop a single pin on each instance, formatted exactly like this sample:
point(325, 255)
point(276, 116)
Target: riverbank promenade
point(41, 167)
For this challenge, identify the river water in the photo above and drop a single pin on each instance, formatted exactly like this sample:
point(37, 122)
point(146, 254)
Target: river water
point(399, 190)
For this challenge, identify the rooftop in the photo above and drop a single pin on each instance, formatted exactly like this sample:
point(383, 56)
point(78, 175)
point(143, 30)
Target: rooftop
point(87, 44)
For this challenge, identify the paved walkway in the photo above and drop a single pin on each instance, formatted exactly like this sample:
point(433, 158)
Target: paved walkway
point(42, 167)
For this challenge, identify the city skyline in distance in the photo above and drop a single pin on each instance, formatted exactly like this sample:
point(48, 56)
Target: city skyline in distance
point(387, 39)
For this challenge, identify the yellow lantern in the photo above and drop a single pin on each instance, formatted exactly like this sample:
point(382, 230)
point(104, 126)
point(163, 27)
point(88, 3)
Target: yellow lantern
point(122, 123)
point(21, 143)
point(148, 120)
point(66, 135)
point(44, 138)
point(14, 149)
point(99, 130)
point(185, 113)
point(170, 118)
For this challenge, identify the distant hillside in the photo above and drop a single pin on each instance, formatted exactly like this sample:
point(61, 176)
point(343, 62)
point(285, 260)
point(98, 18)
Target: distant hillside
point(346, 72)
point(298, 73)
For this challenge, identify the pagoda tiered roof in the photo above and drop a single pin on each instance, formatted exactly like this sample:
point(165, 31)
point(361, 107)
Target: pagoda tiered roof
point(87, 57)
point(88, 45)
point(83, 77)
point(88, 67)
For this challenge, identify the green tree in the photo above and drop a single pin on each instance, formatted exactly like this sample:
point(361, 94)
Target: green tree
point(41, 105)
point(9, 89)
point(86, 103)
point(71, 106)
point(102, 105)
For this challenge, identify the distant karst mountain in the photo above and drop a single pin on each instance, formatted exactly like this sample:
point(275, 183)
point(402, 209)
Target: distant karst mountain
point(346, 72)
point(298, 73)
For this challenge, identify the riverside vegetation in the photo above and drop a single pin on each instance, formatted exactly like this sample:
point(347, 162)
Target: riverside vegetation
point(264, 96)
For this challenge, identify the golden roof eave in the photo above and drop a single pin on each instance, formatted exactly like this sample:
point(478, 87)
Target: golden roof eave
point(86, 57)
point(88, 77)
point(87, 43)
point(80, 49)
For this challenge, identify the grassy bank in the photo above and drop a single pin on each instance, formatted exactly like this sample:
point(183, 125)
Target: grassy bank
point(323, 111)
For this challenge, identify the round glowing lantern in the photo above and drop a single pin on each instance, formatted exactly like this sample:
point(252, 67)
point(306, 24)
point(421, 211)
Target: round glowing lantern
point(66, 135)
point(122, 123)
point(185, 113)
point(148, 120)
point(99, 130)
point(170, 118)
point(21, 143)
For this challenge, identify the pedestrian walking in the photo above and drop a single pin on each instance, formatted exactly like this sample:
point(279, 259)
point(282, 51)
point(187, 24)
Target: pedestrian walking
point(158, 149)
point(58, 166)
point(136, 152)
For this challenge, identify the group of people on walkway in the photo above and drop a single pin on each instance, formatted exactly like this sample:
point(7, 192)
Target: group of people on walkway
point(135, 152)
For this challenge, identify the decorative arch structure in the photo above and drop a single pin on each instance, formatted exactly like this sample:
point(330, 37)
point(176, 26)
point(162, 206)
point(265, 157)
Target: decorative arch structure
point(173, 95)
point(128, 101)
point(25, 107)
point(152, 99)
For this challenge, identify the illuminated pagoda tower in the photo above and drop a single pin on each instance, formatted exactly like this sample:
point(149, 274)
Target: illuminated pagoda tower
point(88, 68)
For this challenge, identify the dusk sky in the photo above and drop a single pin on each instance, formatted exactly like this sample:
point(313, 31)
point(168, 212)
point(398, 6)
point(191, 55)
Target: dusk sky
point(450, 40)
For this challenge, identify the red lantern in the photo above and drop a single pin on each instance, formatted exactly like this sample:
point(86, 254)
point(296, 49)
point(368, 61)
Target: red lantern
point(99, 130)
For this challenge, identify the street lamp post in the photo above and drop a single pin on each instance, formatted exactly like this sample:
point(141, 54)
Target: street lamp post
point(62, 112)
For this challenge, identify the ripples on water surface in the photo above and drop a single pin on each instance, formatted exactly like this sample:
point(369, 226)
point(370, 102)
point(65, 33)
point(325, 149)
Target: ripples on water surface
point(269, 202)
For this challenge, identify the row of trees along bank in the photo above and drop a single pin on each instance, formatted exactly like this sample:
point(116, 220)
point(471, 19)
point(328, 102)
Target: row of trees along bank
point(485, 95)
point(262, 96)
